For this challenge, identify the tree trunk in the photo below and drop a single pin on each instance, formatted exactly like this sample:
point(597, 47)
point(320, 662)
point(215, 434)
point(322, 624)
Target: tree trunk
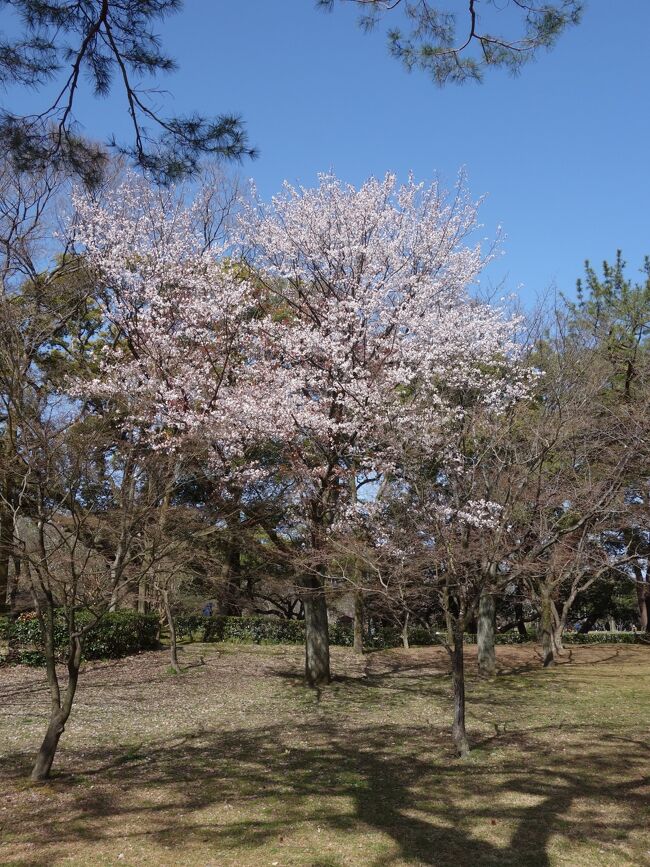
point(521, 623)
point(405, 632)
point(142, 595)
point(358, 622)
point(446, 603)
point(458, 731)
point(317, 645)
point(546, 629)
point(6, 543)
point(173, 647)
point(642, 593)
point(487, 663)
point(45, 756)
point(559, 626)
point(60, 709)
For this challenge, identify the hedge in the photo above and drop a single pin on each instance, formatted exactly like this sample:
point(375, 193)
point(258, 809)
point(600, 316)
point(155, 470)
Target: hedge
point(605, 638)
point(261, 629)
point(116, 634)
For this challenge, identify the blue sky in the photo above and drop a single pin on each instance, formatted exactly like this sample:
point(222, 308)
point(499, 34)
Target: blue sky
point(561, 152)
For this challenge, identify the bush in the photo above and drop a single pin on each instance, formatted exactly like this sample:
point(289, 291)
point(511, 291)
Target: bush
point(263, 629)
point(188, 625)
point(602, 637)
point(5, 627)
point(256, 629)
point(116, 634)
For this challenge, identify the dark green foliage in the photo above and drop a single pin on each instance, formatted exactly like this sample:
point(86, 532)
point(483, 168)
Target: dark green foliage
point(260, 629)
point(116, 634)
point(256, 629)
point(612, 314)
point(455, 49)
point(602, 637)
point(189, 625)
point(103, 43)
point(5, 627)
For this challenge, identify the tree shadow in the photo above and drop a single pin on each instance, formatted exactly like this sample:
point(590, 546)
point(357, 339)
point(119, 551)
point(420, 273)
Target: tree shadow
point(400, 781)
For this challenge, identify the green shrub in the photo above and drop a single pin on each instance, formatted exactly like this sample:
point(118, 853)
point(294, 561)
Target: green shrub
point(263, 629)
point(5, 627)
point(189, 625)
point(601, 637)
point(116, 634)
point(256, 629)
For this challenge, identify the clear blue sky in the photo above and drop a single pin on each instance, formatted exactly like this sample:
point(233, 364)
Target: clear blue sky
point(562, 152)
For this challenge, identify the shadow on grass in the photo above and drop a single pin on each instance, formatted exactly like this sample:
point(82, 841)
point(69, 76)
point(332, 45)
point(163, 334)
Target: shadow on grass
point(399, 781)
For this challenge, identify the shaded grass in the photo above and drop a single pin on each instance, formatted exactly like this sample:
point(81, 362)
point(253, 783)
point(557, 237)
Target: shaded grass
point(236, 763)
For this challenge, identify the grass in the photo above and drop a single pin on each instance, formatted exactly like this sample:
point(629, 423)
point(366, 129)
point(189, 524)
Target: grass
point(235, 763)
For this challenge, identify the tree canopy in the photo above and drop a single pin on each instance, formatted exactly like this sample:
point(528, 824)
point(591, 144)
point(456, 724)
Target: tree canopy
point(458, 46)
point(112, 44)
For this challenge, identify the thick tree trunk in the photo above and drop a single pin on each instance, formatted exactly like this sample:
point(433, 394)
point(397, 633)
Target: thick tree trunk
point(231, 575)
point(612, 625)
point(546, 629)
point(487, 663)
point(317, 645)
point(358, 622)
point(458, 731)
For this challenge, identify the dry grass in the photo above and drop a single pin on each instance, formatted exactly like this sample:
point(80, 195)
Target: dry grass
point(235, 763)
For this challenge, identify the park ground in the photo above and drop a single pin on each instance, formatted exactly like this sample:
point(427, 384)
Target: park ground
point(235, 763)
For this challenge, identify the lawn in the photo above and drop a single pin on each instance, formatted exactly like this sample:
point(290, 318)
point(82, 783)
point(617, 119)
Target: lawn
point(234, 762)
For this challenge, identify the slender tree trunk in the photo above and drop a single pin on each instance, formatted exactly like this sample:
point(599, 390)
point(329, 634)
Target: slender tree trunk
point(405, 631)
point(487, 663)
point(6, 542)
point(45, 756)
point(171, 624)
point(115, 575)
point(458, 731)
point(446, 604)
point(521, 623)
point(317, 645)
point(142, 595)
point(559, 625)
point(358, 622)
point(60, 709)
point(642, 593)
point(546, 628)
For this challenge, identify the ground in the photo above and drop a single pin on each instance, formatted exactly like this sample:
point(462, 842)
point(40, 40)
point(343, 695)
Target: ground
point(235, 763)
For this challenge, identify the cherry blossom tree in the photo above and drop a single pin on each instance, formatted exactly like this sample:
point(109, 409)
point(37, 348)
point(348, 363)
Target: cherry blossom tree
point(371, 320)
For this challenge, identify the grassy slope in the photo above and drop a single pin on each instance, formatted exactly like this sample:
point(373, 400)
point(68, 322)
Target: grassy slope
point(235, 763)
